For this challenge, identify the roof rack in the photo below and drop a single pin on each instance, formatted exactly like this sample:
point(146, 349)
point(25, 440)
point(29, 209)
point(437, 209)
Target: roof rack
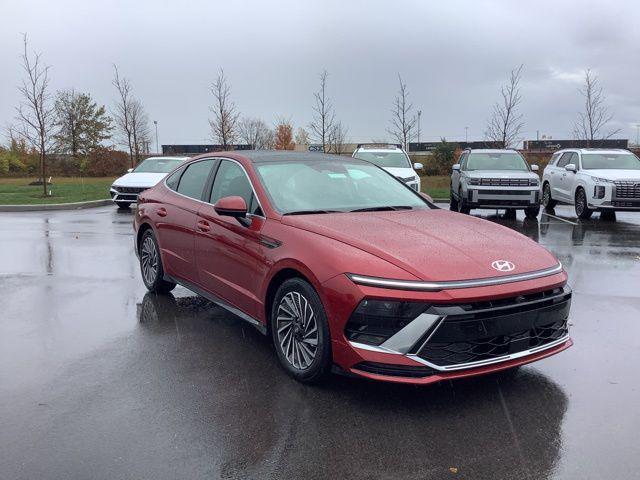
point(381, 145)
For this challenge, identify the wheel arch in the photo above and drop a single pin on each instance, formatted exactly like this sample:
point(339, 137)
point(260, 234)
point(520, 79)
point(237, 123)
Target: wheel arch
point(144, 226)
point(282, 275)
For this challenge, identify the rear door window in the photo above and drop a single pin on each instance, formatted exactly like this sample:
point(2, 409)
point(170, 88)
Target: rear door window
point(194, 178)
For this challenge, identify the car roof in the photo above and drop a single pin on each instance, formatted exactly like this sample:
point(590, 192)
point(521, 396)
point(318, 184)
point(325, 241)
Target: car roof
point(594, 150)
point(160, 157)
point(491, 150)
point(266, 156)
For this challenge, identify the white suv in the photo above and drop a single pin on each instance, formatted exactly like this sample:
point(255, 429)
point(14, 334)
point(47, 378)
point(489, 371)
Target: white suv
point(593, 179)
point(393, 159)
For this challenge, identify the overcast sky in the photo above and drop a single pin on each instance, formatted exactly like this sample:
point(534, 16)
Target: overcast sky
point(453, 56)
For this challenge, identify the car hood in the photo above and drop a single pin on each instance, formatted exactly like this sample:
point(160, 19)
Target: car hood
point(500, 174)
point(609, 174)
point(432, 245)
point(141, 179)
point(401, 172)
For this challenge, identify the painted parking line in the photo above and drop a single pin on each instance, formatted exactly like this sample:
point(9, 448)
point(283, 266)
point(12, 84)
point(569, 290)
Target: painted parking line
point(559, 218)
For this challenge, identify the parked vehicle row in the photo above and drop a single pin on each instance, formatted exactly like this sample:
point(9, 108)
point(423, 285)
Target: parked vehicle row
point(348, 268)
point(589, 179)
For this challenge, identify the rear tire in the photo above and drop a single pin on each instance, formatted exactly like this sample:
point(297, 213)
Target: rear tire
point(548, 202)
point(300, 331)
point(151, 265)
point(510, 213)
point(583, 211)
point(123, 205)
point(532, 212)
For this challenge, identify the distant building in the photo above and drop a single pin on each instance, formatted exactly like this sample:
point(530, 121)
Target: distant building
point(550, 144)
point(198, 149)
point(431, 146)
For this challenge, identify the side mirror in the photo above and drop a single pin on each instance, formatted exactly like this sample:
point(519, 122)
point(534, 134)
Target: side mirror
point(534, 168)
point(418, 166)
point(129, 170)
point(570, 167)
point(456, 167)
point(233, 206)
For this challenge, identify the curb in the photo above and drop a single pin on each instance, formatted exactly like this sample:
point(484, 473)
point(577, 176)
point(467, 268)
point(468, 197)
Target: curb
point(55, 206)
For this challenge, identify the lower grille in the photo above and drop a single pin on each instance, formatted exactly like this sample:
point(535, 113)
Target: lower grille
point(506, 203)
point(504, 192)
point(395, 370)
point(626, 204)
point(487, 332)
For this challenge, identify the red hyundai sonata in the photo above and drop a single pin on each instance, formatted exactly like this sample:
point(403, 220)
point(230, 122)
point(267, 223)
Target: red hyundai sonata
point(346, 267)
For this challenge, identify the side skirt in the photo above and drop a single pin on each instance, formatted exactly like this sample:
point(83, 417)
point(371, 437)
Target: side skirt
point(218, 301)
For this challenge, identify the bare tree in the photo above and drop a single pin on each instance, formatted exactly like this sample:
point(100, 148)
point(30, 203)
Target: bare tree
point(36, 112)
point(505, 125)
point(338, 138)
point(403, 121)
point(225, 118)
point(140, 132)
point(302, 137)
point(323, 116)
point(254, 132)
point(593, 121)
point(123, 111)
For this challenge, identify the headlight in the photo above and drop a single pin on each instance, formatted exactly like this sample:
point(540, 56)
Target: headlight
point(534, 182)
point(474, 181)
point(601, 180)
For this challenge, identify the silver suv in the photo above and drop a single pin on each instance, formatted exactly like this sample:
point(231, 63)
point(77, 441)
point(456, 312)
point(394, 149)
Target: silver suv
point(492, 178)
point(593, 179)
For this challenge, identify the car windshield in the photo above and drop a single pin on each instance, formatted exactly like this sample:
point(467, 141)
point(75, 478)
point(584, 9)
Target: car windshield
point(496, 161)
point(323, 186)
point(395, 159)
point(157, 165)
point(614, 161)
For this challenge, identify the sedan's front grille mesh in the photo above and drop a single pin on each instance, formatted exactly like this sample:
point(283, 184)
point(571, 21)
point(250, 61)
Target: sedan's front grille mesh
point(488, 348)
point(627, 188)
point(484, 331)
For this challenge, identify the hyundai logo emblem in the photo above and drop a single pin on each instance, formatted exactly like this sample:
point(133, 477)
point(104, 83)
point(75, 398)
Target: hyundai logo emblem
point(503, 265)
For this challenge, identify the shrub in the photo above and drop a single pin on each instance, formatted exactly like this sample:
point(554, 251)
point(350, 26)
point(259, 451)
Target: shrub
point(105, 162)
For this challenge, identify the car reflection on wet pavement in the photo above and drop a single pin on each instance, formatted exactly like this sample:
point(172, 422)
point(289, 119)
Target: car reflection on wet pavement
point(100, 379)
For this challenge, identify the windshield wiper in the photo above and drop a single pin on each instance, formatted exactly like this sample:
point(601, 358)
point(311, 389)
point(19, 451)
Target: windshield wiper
point(383, 208)
point(311, 212)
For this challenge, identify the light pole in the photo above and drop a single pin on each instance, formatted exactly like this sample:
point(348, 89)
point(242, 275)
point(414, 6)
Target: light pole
point(466, 134)
point(419, 115)
point(155, 122)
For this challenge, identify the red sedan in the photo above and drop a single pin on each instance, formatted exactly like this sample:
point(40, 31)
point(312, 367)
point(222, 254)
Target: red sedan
point(346, 267)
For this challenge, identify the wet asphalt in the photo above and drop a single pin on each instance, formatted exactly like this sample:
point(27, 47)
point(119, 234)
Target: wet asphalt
point(101, 380)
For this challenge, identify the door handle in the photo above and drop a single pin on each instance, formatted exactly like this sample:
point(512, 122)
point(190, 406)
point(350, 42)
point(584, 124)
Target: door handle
point(203, 226)
point(162, 212)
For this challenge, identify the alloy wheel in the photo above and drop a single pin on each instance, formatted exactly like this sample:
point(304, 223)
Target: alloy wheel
point(297, 330)
point(546, 195)
point(149, 260)
point(580, 202)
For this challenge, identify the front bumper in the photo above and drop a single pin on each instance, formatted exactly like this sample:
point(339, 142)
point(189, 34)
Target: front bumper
point(463, 333)
point(619, 195)
point(502, 197)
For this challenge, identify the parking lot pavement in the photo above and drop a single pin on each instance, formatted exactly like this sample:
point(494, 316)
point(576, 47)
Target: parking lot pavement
point(99, 379)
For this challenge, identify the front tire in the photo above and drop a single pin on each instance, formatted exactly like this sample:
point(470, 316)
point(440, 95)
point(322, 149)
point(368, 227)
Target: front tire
point(548, 202)
point(151, 265)
point(532, 212)
point(453, 202)
point(510, 213)
point(583, 211)
point(463, 207)
point(300, 331)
